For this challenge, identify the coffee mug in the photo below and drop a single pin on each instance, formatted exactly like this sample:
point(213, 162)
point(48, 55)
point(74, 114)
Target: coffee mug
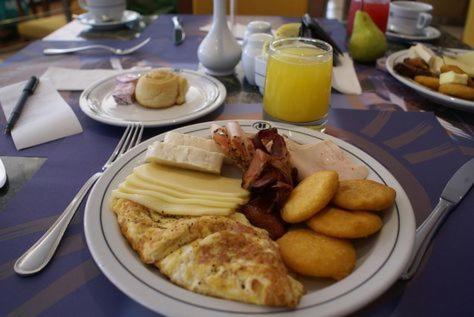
point(409, 17)
point(104, 10)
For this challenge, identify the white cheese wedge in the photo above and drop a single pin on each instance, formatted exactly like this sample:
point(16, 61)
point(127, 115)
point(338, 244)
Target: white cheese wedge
point(412, 52)
point(192, 140)
point(435, 64)
point(453, 78)
point(184, 156)
point(424, 52)
point(464, 61)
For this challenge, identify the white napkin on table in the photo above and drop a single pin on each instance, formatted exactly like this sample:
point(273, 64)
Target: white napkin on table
point(239, 29)
point(76, 79)
point(45, 117)
point(344, 77)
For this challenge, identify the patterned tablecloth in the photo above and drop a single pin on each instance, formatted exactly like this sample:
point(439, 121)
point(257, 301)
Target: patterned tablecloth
point(388, 121)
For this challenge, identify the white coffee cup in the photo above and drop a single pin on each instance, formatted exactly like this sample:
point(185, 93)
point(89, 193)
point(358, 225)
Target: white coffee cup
point(104, 10)
point(409, 17)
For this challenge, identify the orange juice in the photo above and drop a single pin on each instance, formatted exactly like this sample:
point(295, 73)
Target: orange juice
point(298, 82)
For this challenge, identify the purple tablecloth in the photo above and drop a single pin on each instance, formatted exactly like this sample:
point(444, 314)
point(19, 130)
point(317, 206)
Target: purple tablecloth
point(412, 145)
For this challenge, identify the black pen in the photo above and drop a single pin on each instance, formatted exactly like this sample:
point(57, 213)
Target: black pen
point(15, 114)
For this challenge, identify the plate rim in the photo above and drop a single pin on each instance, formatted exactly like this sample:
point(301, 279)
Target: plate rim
point(218, 102)
point(445, 100)
point(384, 281)
point(407, 37)
point(133, 16)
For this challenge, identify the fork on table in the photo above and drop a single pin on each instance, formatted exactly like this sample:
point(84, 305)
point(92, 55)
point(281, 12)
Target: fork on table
point(116, 51)
point(39, 255)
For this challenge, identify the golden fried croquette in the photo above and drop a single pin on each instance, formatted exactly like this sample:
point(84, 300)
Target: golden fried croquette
point(453, 68)
point(310, 196)
point(363, 194)
point(457, 90)
point(427, 81)
point(312, 254)
point(340, 223)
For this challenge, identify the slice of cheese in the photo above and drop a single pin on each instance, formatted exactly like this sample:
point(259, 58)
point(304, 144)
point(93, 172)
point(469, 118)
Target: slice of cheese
point(192, 140)
point(167, 208)
point(136, 182)
point(184, 156)
point(453, 78)
point(464, 61)
point(424, 52)
point(435, 64)
point(190, 181)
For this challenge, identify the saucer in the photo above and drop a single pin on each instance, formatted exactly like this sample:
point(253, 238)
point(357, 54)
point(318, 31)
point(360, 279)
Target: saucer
point(430, 33)
point(127, 17)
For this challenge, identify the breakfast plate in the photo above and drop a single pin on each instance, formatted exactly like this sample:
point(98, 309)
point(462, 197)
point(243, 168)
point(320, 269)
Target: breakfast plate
point(205, 94)
point(437, 97)
point(430, 33)
point(380, 259)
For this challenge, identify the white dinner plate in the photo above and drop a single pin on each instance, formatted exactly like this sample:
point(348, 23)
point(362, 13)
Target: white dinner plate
point(127, 17)
point(437, 97)
point(380, 259)
point(430, 33)
point(205, 94)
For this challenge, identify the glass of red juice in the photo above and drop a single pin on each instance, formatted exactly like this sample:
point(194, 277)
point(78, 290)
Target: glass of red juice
point(377, 9)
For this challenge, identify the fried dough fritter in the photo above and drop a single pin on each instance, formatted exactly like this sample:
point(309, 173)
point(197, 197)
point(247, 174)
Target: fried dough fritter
point(219, 256)
point(411, 71)
point(363, 194)
point(457, 90)
point(310, 196)
point(312, 254)
point(427, 81)
point(453, 68)
point(340, 223)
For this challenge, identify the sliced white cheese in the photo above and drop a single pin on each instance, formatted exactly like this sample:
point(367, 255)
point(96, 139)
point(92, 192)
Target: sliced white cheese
point(412, 52)
point(435, 64)
point(191, 181)
point(463, 61)
point(424, 52)
point(192, 140)
point(136, 182)
point(453, 78)
point(167, 208)
point(184, 156)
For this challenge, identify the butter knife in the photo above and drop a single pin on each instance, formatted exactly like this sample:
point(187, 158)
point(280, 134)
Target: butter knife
point(458, 186)
point(179, 34)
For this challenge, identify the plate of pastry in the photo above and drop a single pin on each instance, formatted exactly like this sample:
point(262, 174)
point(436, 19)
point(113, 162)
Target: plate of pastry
point(155, 98)
point(233, 218)
point(446, 79)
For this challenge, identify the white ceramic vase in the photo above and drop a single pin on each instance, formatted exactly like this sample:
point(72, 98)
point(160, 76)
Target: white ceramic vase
point(219, 52)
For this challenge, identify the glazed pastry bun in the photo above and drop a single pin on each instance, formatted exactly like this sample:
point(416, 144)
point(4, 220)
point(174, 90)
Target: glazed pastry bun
point(160, 89)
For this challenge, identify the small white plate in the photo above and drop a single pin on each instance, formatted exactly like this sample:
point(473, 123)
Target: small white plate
point(127, 17)
point(430, 33)
point(437, 97)
point(205, 94)
point(380, 259)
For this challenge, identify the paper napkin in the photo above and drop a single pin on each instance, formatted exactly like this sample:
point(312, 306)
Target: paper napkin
point(344, 77)
point(45, 117)
point(76, 79)
point(239, 29)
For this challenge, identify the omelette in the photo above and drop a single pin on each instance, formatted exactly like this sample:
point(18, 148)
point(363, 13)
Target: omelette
point(220, 256)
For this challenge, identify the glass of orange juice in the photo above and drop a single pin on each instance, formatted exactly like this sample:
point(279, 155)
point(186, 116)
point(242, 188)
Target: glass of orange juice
point(298, 81)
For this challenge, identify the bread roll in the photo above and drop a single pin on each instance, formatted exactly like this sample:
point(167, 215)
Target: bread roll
point(161, 88)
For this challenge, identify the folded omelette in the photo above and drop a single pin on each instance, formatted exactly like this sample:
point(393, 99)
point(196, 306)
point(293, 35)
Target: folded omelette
point(219, 256)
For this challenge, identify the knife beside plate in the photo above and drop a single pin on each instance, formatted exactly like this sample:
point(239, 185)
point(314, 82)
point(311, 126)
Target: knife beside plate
point(3, 174)
point(178, 35)
point(454, 191)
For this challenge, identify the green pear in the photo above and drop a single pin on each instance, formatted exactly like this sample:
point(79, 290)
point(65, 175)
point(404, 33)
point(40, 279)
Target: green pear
point(367, 42)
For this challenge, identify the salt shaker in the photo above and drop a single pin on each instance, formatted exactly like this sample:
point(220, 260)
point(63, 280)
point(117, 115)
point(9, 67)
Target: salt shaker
point(257, 27)
point(253, 48)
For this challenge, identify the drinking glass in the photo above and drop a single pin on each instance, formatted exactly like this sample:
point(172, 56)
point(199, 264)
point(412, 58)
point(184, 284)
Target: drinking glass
point(377, 9)
point(298, 81)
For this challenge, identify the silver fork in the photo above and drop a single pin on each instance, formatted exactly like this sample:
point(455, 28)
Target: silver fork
point(39, 255)
point(116, 51)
